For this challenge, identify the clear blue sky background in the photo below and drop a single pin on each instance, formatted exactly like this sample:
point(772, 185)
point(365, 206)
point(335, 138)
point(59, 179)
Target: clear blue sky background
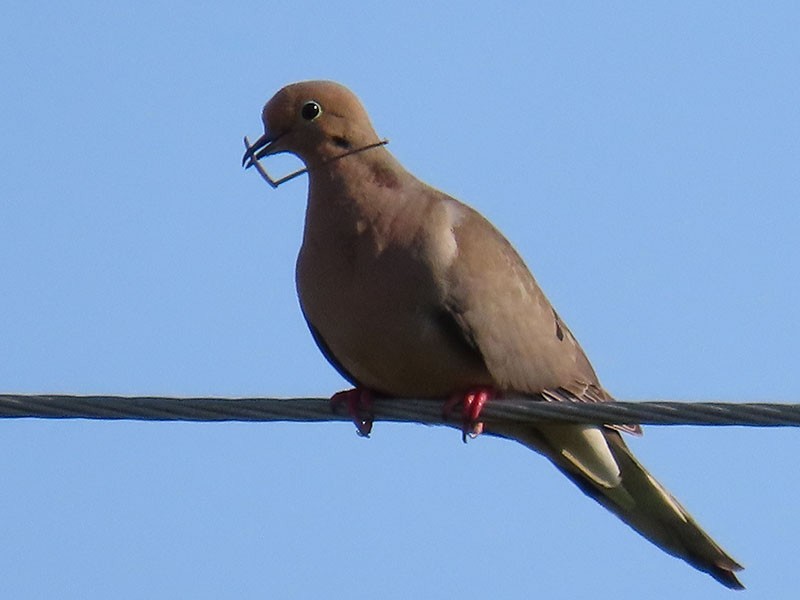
point(643, 157)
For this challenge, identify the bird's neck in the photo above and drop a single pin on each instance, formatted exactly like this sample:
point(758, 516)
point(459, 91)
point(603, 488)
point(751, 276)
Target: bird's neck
point(359, 180)
point(356, 194)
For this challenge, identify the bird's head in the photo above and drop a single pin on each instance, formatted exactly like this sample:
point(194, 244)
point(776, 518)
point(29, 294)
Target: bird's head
point(319, 121)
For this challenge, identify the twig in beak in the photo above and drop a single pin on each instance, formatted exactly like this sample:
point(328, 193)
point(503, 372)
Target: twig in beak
point(254, 161)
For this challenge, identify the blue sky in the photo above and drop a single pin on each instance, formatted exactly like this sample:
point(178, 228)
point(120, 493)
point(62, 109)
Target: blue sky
point(643, 157)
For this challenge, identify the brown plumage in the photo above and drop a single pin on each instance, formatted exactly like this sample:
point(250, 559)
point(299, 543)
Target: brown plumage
point(410, 293)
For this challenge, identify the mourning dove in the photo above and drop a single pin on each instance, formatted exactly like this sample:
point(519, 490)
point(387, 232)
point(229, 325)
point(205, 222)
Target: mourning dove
point(410, 293)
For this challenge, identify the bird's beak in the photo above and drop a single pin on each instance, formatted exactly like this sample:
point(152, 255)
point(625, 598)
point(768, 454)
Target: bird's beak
point(265, 146)
point(257, 150)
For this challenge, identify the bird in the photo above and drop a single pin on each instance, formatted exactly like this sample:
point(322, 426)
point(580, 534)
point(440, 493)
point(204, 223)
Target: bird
point(411, 293)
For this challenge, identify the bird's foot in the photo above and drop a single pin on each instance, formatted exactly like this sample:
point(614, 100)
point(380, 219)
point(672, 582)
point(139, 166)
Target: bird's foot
point(472, 402)
point(359, 407)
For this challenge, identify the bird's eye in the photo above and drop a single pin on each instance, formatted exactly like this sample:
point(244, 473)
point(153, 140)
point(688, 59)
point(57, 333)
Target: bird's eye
point(310, 111)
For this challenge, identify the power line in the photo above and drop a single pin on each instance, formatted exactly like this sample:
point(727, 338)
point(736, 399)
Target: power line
point(155, 408)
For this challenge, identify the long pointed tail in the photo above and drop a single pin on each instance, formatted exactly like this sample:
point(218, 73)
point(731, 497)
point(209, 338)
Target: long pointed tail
point(602, 466)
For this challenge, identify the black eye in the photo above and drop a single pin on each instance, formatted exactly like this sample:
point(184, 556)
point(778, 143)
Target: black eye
point(310, 111)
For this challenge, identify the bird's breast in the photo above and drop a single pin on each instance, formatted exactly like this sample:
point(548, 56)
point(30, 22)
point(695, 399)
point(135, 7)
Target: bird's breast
point(376, 299)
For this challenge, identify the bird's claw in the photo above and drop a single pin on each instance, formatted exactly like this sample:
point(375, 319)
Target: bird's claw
point(359, 406)
point(472, 403)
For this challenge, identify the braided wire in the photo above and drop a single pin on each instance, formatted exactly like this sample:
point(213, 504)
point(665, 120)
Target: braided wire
point(430, 412)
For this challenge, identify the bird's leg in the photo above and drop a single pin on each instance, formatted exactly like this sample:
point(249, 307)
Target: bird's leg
point(359, 406)
point(472, 402)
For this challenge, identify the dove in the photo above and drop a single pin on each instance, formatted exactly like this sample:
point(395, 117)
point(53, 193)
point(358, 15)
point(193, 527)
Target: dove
point(411, 293)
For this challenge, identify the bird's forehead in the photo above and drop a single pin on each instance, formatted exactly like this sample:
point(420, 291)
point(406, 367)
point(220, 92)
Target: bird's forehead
point(280, 107)
point(285, 104)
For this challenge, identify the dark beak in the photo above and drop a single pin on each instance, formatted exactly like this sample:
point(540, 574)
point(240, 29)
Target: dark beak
point(264, 146)
point(259, 149)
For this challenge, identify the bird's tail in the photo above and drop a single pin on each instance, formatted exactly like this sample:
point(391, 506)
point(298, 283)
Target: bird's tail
point(599, 462)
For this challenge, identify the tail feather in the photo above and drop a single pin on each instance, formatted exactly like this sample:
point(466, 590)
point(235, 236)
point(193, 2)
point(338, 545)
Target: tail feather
point(640, 501)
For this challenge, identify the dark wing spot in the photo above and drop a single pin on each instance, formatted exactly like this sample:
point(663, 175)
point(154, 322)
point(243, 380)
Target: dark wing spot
point(559, 329)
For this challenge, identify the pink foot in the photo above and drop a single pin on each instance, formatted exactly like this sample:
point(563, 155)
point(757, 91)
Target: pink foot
point(472, 401)
point(359, 407)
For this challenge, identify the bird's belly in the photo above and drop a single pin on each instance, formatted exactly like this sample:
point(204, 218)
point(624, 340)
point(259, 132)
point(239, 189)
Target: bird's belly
point(385, 332)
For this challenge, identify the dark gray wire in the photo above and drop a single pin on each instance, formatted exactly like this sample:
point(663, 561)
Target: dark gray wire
point(153, 408)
